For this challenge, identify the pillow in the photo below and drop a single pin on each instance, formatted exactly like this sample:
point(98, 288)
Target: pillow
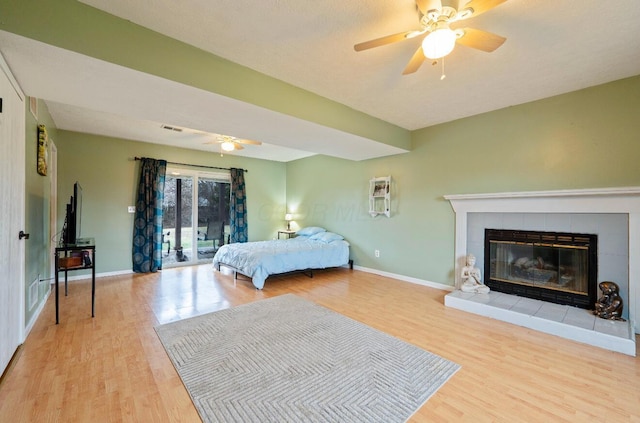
point(326, 237)
point(311, 230)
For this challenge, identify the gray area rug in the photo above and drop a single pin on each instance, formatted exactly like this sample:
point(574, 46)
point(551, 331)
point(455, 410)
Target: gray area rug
point(286, 359)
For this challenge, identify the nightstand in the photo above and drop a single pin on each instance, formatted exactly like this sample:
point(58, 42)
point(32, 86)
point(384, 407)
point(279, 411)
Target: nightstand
point(286, 232)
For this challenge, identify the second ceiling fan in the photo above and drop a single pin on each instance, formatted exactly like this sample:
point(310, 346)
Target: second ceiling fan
point(229, 143)
point(226, 142)
point(436, 16)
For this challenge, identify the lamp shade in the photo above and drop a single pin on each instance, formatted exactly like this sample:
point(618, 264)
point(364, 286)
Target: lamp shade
point(288, 217)
point(439, 43)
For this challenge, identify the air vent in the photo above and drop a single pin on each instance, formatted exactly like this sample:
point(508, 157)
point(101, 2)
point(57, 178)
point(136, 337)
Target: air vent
point(172, 128)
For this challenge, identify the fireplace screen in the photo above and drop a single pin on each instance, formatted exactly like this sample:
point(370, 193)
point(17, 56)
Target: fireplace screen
point(556, 267)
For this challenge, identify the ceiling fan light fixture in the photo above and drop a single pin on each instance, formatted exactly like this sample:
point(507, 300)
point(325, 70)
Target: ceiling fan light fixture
point(227, 146)
point(439, 42)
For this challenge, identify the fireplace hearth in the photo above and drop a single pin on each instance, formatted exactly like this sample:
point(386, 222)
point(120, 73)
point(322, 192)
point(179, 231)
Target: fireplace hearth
point(557, 267)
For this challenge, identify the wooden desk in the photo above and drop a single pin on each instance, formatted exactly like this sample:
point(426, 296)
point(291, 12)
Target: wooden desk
point(62, 264)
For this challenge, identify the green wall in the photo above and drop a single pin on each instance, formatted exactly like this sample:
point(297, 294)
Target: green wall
point(108, 174)
point(584, 139)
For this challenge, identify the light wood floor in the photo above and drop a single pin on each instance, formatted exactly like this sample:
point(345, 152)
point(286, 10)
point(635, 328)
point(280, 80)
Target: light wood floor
point(112, 368)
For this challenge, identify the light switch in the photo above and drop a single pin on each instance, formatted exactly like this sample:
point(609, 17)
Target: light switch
point(131, 209)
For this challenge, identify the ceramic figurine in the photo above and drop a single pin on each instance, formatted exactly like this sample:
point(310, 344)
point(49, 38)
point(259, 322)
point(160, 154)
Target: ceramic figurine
point(471, 277)
point(610, 305)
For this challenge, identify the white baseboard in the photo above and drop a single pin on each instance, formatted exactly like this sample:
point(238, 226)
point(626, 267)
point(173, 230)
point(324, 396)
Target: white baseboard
point(406, 278)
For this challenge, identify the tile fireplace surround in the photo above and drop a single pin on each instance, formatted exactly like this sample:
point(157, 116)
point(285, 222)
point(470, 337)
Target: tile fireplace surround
point(538, 204)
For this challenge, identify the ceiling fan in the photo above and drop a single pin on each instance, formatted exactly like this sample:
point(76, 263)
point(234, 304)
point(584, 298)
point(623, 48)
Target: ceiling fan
point(229, 143)
point(436, 16)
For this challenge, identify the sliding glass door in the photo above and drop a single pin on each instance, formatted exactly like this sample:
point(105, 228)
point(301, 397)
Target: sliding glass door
point(195, 216)
point(213, 215)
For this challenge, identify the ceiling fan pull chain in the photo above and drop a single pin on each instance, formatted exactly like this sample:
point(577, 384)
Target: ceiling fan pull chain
point(443, 76)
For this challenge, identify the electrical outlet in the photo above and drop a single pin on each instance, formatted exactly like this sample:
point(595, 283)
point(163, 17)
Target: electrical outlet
point(131, 209)
point(377, 253)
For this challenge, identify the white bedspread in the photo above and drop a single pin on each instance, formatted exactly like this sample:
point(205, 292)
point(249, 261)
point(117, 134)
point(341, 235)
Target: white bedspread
point(260, 259)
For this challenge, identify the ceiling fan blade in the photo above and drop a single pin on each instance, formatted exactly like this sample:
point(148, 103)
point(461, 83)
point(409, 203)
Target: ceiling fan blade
point(481, 6)
point(237, 146)
point(481, 40)
point(383, 41)
point(415, 62)
point(426, 5)
point(245, 141)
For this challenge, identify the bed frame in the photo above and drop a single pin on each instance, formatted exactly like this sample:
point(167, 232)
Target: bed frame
point(307, 272)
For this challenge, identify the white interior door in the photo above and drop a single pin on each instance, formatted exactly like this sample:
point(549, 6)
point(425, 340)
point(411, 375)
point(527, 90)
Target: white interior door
point(12, 207)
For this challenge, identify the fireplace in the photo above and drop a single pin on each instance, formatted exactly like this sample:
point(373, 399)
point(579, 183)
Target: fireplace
point(613, 214)
point(556, 267)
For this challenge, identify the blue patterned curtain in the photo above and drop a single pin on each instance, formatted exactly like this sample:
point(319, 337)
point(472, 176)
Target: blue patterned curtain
point(238, 207)
point(147, 225)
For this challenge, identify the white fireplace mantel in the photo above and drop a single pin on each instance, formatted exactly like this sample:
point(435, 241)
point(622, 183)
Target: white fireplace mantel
point(624, 200)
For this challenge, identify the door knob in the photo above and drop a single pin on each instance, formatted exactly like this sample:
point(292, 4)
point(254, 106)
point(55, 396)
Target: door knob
point(23, 235)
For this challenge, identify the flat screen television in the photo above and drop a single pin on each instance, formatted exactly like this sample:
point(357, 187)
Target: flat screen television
point(72, 229)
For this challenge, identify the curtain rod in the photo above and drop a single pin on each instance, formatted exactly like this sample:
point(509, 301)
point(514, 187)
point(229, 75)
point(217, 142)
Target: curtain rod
point(195, 165)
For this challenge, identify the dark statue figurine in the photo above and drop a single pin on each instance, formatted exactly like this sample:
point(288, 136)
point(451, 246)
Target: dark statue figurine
point(609, 306)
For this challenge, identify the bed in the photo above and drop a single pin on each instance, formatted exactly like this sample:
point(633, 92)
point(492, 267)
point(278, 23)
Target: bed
point(312, 248)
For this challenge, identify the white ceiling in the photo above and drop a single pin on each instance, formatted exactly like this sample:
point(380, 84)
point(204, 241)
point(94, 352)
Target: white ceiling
point(552, 47)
